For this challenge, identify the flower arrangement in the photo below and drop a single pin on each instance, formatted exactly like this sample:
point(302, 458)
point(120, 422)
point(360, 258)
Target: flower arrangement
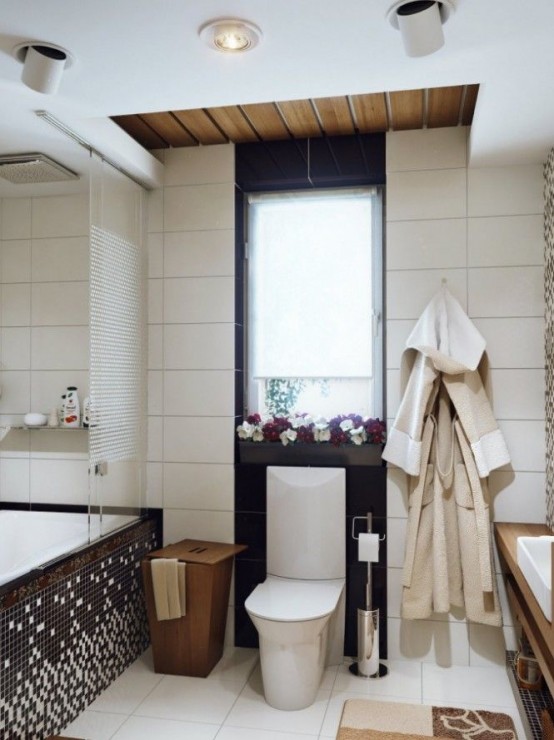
point(303, 429)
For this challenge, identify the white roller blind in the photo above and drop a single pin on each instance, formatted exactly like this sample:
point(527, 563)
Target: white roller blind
point(310, 274)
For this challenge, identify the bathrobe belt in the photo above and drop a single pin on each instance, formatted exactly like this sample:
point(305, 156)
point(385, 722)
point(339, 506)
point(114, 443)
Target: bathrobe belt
point(416, 502)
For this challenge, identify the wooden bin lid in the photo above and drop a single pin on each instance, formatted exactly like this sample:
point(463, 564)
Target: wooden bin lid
point(198, 551)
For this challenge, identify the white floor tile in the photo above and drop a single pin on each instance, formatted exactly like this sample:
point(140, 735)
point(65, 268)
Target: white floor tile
point(473, 685)
point(190, 699)
point(146, 728)
point(403, 679)
point(94, 725)
point(334, 709)
point(125, 694)
point(241, 733)
point(236, 665)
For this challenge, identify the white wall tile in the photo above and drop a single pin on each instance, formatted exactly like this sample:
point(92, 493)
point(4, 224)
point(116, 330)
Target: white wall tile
point(409, 291)
point(199, 253)
point(526, 444)
point(190, 486)
point(16, 304)
point(155, 347)
point(519, 497)
point(60, 347)
point(199, 392)
point(15, 348)
point(396, 542)
point(517, 394)
point(394, 592)
point(504, 191)
point(415, 245)
point(397, 493)
point(60, 304)
point(47, 387)
point(442, 643)
point(15, 262)
point(505, 240)
point(15, 221)
point(155, 439)
point(59, 481)
point(61, 215)
point(199, 346)
point(506, 291)
point(155, 210)
point(426, 194)
point(398, 331)
point(198, 440)
point(214, 526)
point(60, 259)
point(428, 149)
point(154, 485)
point(199, 207)
point(200, 165)
point(513, 342)
point(16, 393)
point(199, 300)
point(393, 392)
point(486, 645)
point(155, 392)
point(155, 248)
point(51, 445)
point(155, 301)
point(14, 480)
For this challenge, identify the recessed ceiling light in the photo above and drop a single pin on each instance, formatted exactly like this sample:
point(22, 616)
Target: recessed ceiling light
point(420, 24)
point(230, 35)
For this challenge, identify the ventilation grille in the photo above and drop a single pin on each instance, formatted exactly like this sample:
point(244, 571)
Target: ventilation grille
point(25, 169)
point(117, 350)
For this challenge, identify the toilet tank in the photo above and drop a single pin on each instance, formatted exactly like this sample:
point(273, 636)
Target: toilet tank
point(306, 524)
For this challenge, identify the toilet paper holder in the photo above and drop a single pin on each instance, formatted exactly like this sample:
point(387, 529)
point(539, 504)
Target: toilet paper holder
point(368, 519)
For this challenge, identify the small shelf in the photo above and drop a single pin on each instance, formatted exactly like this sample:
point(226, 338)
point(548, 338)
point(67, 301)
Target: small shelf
point(46, 428)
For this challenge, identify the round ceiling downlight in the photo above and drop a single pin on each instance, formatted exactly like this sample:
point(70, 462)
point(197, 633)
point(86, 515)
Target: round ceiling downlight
point(230, 35)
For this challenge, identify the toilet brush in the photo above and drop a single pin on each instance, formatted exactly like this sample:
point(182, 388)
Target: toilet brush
point(368, 665)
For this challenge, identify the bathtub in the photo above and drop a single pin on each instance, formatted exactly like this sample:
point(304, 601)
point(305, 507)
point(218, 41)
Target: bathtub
point(30, 539)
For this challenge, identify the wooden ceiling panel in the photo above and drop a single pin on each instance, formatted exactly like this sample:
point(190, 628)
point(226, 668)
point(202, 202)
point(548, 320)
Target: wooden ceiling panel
point(406, 110)
point(169, 128)
point(232, 122)
point(443, 106)
point(266, 120)
point(300, 118)
point(469, 104)
point(139, 130)
point(200, 126)
point(335, 116)
point(370, 112)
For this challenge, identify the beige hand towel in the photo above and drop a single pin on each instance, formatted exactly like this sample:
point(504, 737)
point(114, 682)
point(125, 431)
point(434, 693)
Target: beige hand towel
point(168, 583)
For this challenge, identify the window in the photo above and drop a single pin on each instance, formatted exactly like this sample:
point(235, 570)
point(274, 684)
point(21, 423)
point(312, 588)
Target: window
point(314, 302)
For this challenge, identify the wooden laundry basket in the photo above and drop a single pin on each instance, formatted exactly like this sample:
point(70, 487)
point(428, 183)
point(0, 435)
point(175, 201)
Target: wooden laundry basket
point(193, 644)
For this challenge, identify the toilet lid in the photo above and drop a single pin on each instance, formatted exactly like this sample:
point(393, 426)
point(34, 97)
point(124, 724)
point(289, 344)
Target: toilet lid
point(287, 600)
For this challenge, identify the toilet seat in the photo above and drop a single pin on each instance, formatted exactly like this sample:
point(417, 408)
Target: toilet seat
point(290, 600)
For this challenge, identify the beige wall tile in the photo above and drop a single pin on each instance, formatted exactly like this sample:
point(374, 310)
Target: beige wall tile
point(426, 194)
point(430, 149)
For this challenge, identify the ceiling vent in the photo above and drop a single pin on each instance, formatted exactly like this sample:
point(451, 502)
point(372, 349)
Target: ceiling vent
point(26, 169)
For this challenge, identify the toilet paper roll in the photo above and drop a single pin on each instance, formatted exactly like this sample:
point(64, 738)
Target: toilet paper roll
point(368, 547)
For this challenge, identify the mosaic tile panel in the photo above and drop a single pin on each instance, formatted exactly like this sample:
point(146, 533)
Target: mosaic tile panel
point(529, 703)
point(61, 646)
point(549, 331)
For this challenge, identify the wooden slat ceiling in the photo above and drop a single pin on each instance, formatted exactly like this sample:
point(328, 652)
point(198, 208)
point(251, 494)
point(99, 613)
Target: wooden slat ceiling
point(395, 111)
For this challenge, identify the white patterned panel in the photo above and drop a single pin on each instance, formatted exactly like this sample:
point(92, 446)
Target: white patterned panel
point(117, 348)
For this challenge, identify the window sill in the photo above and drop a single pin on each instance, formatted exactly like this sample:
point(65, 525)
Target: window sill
point(274, 453)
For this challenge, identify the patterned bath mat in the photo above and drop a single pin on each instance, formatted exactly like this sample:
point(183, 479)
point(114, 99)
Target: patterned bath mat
point(363, 719)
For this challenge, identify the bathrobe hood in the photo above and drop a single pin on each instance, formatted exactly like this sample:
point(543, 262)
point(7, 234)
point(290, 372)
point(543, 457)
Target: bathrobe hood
point(444, 348)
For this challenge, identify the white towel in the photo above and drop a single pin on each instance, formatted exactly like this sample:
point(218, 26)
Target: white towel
point(168, 583)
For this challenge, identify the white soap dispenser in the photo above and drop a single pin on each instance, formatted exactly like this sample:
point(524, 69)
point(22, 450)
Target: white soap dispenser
point(71, 411)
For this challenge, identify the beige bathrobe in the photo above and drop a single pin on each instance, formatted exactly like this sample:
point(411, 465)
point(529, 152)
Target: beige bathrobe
point(446, 438)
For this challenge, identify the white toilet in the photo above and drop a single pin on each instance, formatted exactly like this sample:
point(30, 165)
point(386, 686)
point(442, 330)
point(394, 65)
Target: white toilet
point(299, 609)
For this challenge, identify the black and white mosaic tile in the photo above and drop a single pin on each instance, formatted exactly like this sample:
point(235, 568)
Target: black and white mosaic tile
point(62, 645)
point(530, 703)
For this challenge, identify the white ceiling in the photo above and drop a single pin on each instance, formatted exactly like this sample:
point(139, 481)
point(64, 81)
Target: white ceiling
point(138, 56)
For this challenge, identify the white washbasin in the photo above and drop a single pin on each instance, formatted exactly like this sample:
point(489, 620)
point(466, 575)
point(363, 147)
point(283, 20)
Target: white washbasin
point(534, 557)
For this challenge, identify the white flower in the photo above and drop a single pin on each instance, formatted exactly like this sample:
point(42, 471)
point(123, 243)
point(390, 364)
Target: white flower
point(346, 425)
point(358, 435)
point(257, 435)
point(321, 422)
point(296, 421)
point(289, 435)
point(322, 435)
point(245, 430)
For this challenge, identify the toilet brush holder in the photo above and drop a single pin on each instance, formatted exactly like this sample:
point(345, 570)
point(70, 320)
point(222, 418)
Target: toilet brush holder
point(368, 665)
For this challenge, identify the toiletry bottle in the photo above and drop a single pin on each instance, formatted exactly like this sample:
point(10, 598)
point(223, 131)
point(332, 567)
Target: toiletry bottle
point(61, 408)
point(86, 412)
point(71, 415)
